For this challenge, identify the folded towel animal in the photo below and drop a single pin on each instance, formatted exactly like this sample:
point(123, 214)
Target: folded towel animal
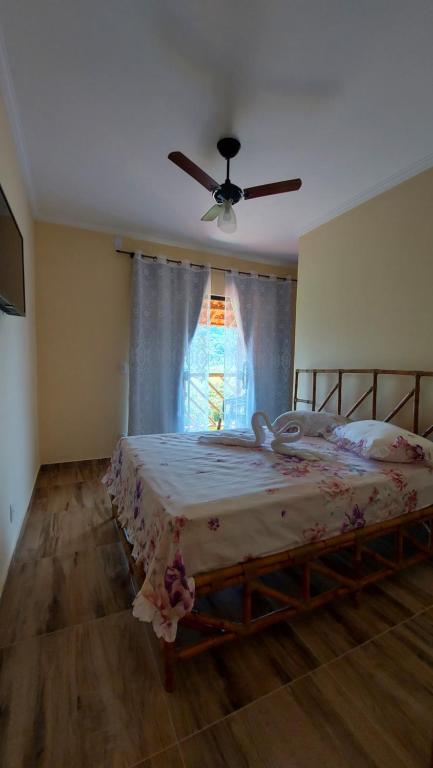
point(281, 444)
point(257, 426)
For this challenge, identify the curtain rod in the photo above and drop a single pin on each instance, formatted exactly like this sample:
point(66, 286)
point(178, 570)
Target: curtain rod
point(131, 254)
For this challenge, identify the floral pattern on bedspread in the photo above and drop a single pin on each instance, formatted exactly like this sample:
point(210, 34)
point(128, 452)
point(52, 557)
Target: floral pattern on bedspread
point(189, 509)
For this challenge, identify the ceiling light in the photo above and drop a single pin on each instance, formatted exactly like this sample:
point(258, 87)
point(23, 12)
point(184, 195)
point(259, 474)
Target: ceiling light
point(227, 218)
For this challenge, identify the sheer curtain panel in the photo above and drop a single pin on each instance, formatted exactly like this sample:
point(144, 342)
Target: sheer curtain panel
point(196, 373)
point(165, 307)
point(263, 309)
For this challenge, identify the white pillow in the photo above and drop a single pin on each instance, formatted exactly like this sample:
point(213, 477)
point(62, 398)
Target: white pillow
point(313, 423)
point(384, 442)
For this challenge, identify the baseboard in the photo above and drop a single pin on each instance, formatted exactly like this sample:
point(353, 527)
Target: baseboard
point(19, 537)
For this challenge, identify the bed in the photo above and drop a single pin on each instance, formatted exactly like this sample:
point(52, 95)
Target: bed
point(198, 519)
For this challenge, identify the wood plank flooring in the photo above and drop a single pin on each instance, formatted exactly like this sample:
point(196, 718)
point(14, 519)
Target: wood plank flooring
point(80, 681)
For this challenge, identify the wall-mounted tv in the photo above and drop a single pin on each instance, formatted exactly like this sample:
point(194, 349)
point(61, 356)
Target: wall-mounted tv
point(12, 296)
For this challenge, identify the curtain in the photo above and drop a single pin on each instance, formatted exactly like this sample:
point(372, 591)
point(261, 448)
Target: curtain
point(165, 308)
point(196, 373)
point(263, 309)
point(237, 393)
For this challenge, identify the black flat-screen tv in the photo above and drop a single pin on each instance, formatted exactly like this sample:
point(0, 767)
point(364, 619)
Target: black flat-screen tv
point(12, 295)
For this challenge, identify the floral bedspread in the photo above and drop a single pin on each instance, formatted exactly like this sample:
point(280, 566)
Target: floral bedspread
point(190, 508)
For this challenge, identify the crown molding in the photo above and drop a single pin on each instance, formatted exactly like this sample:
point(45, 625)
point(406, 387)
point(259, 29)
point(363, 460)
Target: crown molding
point(291, 260)
point(8, 91)
point(377, 189)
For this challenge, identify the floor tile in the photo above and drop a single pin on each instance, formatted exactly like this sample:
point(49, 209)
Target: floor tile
point(56, 533)
point(392, 680)
point(55, 592)
point(343, 724)
point(59, 474)
point(279, 732)
point(71, 472)
point(90, 494)
point(94, 469)
point(311, 723)
point(217, 683)
point(170, 758)
point(87, 696)
point(341, 625)
point(412, 587)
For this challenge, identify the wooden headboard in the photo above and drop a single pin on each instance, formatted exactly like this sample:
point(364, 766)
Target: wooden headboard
point(376, 378)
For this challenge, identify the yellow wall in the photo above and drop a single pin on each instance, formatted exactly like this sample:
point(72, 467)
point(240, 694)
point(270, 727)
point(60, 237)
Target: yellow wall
point(365, 290)
point(83, 321)
point(18, 401)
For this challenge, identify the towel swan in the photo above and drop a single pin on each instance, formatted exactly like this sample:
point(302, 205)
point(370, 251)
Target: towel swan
point(259, 421)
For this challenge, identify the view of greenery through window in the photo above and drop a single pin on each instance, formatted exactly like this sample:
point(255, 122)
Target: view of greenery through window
point(216, 376)
point(214, 380)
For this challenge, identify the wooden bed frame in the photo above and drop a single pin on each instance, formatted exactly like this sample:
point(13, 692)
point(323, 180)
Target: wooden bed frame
point(307, 561)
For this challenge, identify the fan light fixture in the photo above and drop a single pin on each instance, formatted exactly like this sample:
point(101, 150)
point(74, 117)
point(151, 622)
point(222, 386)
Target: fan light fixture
point(227, 218)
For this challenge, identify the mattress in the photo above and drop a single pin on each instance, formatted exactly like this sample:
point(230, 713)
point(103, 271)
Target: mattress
point(189, 507)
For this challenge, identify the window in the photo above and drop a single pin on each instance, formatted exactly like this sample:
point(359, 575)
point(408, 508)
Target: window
point(215, 370)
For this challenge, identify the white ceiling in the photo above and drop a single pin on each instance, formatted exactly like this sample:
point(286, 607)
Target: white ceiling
point(339, 92)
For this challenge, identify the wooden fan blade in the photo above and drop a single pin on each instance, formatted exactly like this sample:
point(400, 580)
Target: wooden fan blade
point(183, 162)
point(292, 185)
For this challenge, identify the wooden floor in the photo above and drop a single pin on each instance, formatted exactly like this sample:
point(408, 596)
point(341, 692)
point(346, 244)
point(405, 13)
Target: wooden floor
point(80, 681)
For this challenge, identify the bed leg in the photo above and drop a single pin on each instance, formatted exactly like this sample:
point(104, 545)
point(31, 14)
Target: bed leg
point(306, 582)
point(246, 603)
point(169, 662)
point(357, 562)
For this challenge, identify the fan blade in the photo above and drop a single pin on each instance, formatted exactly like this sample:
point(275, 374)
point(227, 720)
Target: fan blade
point(272, 189)
point(212, 213)
point(183, 162)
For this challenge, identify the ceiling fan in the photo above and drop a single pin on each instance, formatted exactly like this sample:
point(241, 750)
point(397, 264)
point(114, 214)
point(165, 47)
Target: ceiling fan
point(226, 195)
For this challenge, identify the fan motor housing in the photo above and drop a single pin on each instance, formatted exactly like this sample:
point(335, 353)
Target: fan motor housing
point(228, 192)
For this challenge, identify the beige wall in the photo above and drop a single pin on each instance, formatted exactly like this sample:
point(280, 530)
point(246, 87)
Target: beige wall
point(18, 402)
point(365, 290)
point(83, 322)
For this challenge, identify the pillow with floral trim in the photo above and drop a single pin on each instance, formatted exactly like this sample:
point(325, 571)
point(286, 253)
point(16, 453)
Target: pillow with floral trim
point(385, 442)
point(313, 423)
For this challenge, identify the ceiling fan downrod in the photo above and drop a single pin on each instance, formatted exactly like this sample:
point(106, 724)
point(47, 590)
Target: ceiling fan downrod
point(228, 192)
